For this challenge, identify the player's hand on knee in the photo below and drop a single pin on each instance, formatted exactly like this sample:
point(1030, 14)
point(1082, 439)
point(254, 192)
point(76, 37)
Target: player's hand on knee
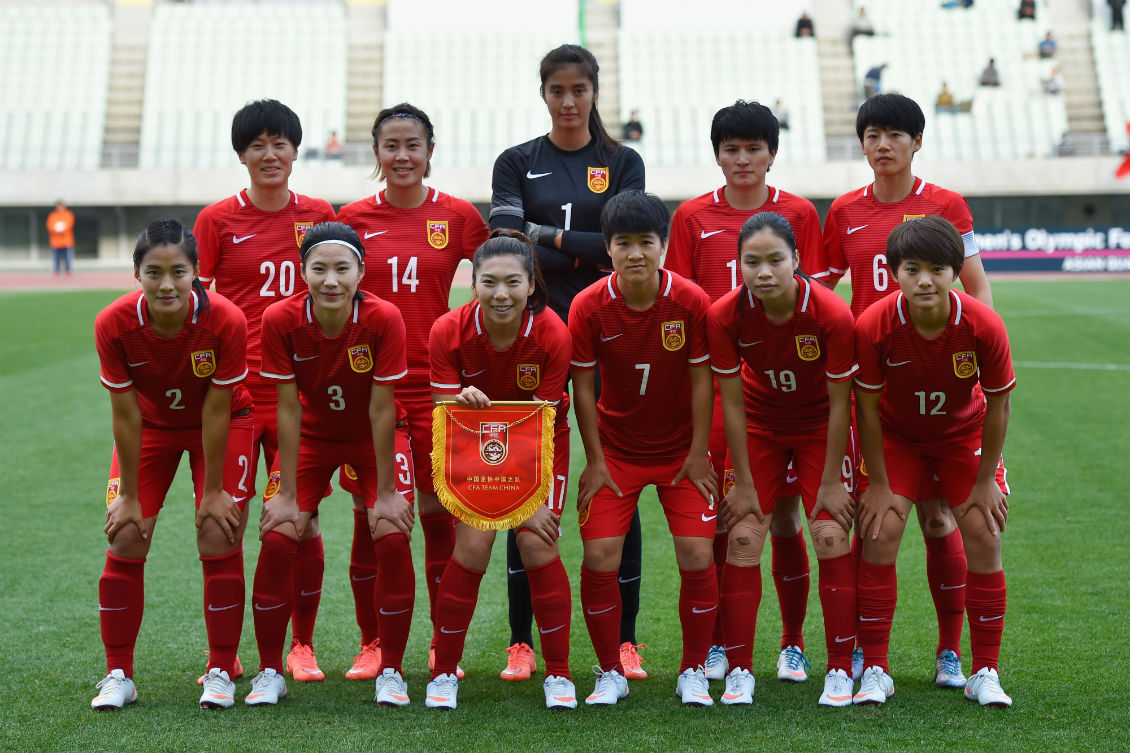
point(220, 507)
point(873, 507)
point(697, 469)
point(834, 499)
point(740, 502)
point(544, 524)
point(282, 508)
point(593, 478)
point(991, 501)
point(393, 507)
point(120, 513)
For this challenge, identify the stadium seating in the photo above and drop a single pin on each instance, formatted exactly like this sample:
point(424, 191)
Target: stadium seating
point(1112, 65)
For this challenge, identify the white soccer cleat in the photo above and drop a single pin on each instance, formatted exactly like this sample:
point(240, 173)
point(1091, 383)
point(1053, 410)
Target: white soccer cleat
point(693, 688)
point(856, 664)
point(837, 689)
point(443, 692)
point(985, 688)
point(739, 688)
point(875, 687)
point(115, 690)
point(560, 693)
point(611, 686)
point(716, 666)
point(947, 670)
point(391, 689)
point(219, 690)
point(792, 665)
point(267, 689)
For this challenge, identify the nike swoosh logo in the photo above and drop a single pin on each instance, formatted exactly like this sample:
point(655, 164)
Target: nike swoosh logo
point(551, 630)
point(355, 579)
point(731, 648)
point(237, 239)
point(600, 611)
point(705, 234)
point(851, 229)
point(465, 374)
point(304, 358)
point(442, 629)
point(111, 609)
point(696, 610)
point(870, 619)
point(791, 479)
point(237, 500)
point(386, 612)
point(791, 578)
point(370, 235)
point(512, 571)
point(893, 364)
point(944, 587)
point(437, 578)
point(604, 339)
point(707, 519)
point(844, 640)
point(135, 365)
point(221, 609)
point(262, 608)
point(309, 593)
point(990, 619)
point(748, 345)
point(535, 176)
point(628, 580)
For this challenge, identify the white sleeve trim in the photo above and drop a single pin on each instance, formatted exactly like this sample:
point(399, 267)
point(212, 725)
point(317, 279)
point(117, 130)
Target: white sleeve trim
point(269, 375)
point(734, 370)
point(999, 389)
point(401, 375)
point(442, 386)
point(222, 382)
point(700, 359)
point(849, 372)
point(867, 386)
point(115, 385)
point(583, 364)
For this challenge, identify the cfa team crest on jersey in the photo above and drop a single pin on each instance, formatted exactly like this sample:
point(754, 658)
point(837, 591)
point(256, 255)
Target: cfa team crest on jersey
point(807, 347)
point(360, 360)
point(112, 490)
point(350, 474)
point(909, 217)
point(729, 478)
point(300, 230)
point(204, 363)
point(673, 336)
point(493, 444)
point(965, 364)
point(273, 482)
point(437, 233)
point(529, 376)
point(862, 467)
point(598, 179)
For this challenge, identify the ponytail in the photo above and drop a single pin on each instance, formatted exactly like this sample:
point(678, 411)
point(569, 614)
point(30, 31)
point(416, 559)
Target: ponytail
point(167, 231)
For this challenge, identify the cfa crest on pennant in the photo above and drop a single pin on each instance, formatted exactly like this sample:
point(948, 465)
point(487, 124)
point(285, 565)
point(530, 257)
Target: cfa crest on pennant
point(273, 482)
point(529, 376)
point(807, 347)
point(203, 363)
point(112, 490)
point(598, 179)
point(360, 360)
point(300, 230)
point(673, 336)
point(493, 444)
point(965, 364)
point(437, 233)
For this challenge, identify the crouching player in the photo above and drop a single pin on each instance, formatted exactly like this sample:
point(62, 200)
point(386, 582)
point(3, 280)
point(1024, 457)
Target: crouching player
point(932, 401)
point(645, 329)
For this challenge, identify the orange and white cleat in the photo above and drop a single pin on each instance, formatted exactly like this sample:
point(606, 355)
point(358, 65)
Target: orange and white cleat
point(236, 674)
point(521, 663)
point(459, 674)
point(630, 658)
point(302, 664)
point(367, 664)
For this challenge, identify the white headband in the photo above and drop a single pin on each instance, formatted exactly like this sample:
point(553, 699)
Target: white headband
point(335, 241)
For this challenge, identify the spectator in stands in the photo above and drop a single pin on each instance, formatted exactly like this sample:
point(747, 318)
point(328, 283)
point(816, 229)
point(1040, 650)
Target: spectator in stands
point(781, 112)
point(862, 24)
point(1027, 9)
point(334, 149)
point(1054, 83)
point(990, 76)
point(945, 101)
point(1047, 46)
point(633, 129)
point(873, 81)
point(1116, 7)
point(61, 234)
point(804, 26)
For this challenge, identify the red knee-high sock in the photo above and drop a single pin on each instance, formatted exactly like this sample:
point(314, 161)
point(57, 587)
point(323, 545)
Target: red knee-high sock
point(455, 605)
point(553, 610)
point(270, 597)
point(309, 564)
point(121, 601)
point(856, 548)
point(439, 543)
point(698, 609)
point(837, 600)
point(394, 596)
point(791, 577)
point(721, 546)
point(224, 597)
point(363, 576)
point(738, 602)
point(876, 593)
point(986, 602)
point(945, 569)
point(600, 598)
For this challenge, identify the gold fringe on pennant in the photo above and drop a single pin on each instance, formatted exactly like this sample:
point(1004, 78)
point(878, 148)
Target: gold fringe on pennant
point(456, 507)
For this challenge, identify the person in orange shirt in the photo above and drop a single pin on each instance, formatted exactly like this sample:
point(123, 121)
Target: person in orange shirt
point(61, 232)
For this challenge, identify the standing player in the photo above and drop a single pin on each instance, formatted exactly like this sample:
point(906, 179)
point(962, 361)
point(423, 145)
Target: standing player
point(788, 413)
point(480, 352)
point(703, 236)
point(932, 401)
point(249, 250)
point(415, 237)
point(890, 127)
point(174, 359)
point(645, 329)
point(335, 355)
point(553, 188)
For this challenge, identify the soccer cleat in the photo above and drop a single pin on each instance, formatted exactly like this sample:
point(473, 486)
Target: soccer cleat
point(367, 664)
point(432, 664)
point(947, 670)
point(391, 688)
point(856, 664)
point(875, 687)
point(716, 665)
point(267, 689)
point(302, 664)
point(792, 665)
point(693, 688)
point(115, 690)
point(520, 664)
point(442, 692)
point(739, 688)
point(630, 658)
point(611, 686)
point(560, 693)
point(238, 672)
point(219, 690)
point(985, 688)
point(837, 689)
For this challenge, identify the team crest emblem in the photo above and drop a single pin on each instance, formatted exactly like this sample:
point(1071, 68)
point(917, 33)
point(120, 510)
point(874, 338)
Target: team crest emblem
point(807, 347)
point(300, 230)
point(965, 364)
point(437, 233)
point(862, 467)
point(204, 363)
point(673, 336)
point(529, 376)
point(349, 472)
point(909, 217)
point(598, 179)
point(728, 481)
point(360, 359)
point(492, 442)
point(273, 482)
point(112, 490)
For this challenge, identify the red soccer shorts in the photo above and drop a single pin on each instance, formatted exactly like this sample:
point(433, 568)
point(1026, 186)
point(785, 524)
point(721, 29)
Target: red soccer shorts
point(787, 465)
point(940, 470)
point(319, 458)
point(405, 467)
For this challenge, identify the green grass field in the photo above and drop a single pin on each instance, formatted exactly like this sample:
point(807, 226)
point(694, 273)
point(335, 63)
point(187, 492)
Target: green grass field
point(1066, 550)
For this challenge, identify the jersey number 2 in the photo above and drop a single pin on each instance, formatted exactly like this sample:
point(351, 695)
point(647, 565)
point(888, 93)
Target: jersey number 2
point(285, 275)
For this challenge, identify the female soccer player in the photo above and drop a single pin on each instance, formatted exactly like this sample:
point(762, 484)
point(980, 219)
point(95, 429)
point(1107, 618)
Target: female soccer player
point(174, 359)
point(249, 250)
point(787, 418)
point(553, 188)
point(932, 401)
point(415, 237)
point(745, 136)
point(645, 329)
point(476, 352)
point(335, 355)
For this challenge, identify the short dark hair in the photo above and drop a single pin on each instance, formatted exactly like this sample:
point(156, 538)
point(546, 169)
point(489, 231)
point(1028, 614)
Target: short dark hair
point(634, 212)
point(931, 239)
point(403, 110)
point(507, 242)
point(745, 120)
point(167, 231)
point(268, 115)
point(892, 112)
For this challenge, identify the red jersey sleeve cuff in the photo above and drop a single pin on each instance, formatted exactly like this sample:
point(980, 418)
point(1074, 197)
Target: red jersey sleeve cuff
point(868, 387)
point(277, 377)
point(117, 386)
point(230, 382)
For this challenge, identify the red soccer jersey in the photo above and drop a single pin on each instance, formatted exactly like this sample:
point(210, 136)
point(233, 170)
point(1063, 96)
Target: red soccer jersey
point(929, 387)
point(252, 255)
point(410, 259)
point(856, 230)
point(645, 359)
point(172, 374)
point(788, 365)
point(704, 237)
point(334, 375)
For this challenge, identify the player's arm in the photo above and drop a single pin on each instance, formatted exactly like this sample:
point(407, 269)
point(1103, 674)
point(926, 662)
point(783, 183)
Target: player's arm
point(215, 502)
point(680, 245)
point(595, 475)
point(283, 507)
point(742, 499)
point(390, 504)
point(878, 499)
point(831, 263)
point(697, 466)
point(974, 280)
point(832, 496)
point(986, 496)
point(126, 424)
